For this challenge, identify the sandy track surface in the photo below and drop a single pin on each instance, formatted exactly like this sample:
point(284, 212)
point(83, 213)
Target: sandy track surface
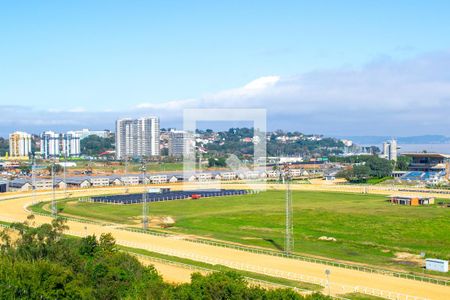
point(342, 280)
point(170, 273)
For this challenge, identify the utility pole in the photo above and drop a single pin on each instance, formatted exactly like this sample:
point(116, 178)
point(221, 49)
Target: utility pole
point(33, 178)
point(64, 174)
point(54, 208)
point(289, 235)
point(144, 198)
point(126, 173)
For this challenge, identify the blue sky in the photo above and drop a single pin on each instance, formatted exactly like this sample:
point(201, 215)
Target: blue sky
point(94, 61)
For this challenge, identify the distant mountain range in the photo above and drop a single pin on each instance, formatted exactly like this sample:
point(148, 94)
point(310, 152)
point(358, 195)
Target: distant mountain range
point(419, 139)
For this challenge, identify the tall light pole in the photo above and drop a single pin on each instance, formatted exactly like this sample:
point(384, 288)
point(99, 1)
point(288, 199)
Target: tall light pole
point(33, 178)
point(289, 234)
point(144, 198)
point(54, 208)
point(328, 272)
point(64, 174)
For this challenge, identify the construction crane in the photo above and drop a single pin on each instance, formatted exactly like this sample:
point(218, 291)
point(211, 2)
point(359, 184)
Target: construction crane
point(289, 233)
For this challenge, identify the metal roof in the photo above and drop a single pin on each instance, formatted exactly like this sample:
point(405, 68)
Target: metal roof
point(420, 154)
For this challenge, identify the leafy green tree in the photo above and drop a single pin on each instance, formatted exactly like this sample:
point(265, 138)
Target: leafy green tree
point(93, 145)
point(4, 146)
point(88, 245)
point(380, 167)
point(107, 243)
point(57, 168)
point(217, 162)
point(403, 163)
point(45, 264)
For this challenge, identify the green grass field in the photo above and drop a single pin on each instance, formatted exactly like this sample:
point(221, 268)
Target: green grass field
point(367, 228)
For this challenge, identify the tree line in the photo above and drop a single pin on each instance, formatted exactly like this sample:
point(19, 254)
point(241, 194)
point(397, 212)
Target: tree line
point(365, 167)
point(40, 262)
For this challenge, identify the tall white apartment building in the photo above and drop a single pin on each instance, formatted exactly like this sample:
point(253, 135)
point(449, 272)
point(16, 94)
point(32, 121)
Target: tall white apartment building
point(390, 150)
point(71, 144)
point(50, 144)
point(181, 143)
point(19, 144)
point(55, 145)
point(137, 137)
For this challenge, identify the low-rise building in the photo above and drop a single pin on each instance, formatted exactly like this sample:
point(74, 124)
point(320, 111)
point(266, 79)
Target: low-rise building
point(204, 176)
point(44, 184)
point(78, 182)
point(173, 179)
point(130, 180)
point(99, 181)
point(20, 184)
point(411, 200)
point(115, 181)
point(3, 186)
point(158, 179)
point(252, 175)
point(228, 175)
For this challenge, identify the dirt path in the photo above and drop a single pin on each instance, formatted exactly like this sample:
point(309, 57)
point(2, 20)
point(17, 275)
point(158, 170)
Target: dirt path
point(342, 280)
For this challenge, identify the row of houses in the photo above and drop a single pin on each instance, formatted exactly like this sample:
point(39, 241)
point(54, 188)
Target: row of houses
point(26, 184)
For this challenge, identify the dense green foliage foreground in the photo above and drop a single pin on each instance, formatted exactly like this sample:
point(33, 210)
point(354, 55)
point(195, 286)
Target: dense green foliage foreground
point(367, 228)
point(43, 264)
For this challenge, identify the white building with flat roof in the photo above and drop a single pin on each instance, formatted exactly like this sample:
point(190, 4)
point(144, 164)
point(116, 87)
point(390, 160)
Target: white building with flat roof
point(50, 144)
point(390, 150)
point(137, 137)
point(55, 144)
point(19, 144)
point(181, 143)
point(71, 146)
point(84, 133)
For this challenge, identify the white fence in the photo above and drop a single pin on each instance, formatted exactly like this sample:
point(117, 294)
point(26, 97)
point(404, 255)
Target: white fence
point(335, 288)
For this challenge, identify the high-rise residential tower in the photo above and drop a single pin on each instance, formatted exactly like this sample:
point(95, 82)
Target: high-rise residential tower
point(55, 145)
point(50, 144)
point(137, 137)
point(180, 143)
point(390, 150)
point(71, 144)
point(19, 144)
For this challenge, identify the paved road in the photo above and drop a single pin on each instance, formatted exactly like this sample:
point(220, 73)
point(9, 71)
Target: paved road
point(342, 280)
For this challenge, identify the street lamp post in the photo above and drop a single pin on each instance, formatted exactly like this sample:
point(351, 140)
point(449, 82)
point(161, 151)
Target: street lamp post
point(328, 272)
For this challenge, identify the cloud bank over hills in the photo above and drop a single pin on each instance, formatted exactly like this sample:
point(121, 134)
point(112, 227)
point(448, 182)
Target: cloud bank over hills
point(384, 97)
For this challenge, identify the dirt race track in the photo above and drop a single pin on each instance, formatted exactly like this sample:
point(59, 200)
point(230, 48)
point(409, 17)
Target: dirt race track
point(13, 208)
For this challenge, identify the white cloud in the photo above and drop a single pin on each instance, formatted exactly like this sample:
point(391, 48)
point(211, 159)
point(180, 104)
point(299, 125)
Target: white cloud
point(262, 83)
point(384, 97)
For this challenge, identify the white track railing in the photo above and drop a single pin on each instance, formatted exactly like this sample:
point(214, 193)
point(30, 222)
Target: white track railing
point(339, 288)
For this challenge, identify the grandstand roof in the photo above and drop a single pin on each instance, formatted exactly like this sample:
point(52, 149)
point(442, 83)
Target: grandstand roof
point(420, 154)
